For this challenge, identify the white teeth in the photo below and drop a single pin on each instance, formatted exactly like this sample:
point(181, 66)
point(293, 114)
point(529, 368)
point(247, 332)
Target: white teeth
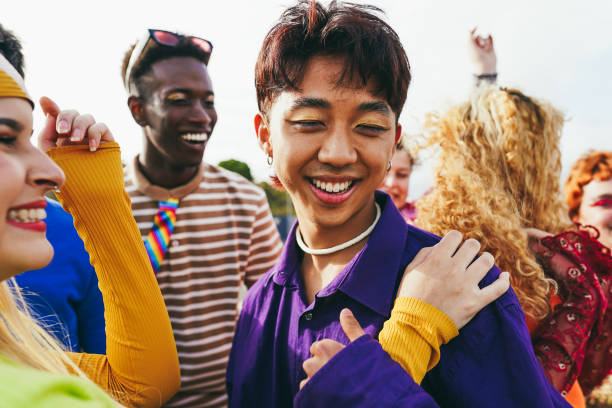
point(332, 187)
point(195, 137)
point(24, 215)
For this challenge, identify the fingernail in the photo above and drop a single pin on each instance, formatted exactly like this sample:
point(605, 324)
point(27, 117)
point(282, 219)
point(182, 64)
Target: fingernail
point(346, 312)
point(62, 126)
point(76, 135)
point(92, 148)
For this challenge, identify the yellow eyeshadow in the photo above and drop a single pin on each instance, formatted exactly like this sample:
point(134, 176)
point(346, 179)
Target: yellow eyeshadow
point(175, 96)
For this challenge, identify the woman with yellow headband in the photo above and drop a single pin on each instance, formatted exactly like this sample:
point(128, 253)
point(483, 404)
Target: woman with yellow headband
point(141, 365)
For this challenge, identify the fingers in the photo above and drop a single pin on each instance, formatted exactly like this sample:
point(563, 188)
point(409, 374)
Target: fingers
point(466, 253)
point(312, 365)
point(80, 125)
point(418, 259)
point(449, 243)
point(495, 290)
point(98, 133)
point(350, 325)
point(49, 107)
point(479, 268)
point(64, 121)
point(322, 351)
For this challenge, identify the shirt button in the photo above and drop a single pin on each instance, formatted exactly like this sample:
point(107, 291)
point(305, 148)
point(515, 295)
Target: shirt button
point(308, 316)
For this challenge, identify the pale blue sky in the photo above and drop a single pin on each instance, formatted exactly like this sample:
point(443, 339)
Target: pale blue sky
point(556, 50)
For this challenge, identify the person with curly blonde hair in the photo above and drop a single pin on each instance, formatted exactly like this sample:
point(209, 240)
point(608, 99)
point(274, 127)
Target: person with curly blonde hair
point(497, 181)
point(588, 194)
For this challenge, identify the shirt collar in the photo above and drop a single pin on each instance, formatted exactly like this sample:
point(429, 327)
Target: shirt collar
point(159, 193)
point(284, 272)
point(371, 277)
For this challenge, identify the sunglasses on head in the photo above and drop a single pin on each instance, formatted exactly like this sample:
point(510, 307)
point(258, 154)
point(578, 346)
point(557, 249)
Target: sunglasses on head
point(167, 39)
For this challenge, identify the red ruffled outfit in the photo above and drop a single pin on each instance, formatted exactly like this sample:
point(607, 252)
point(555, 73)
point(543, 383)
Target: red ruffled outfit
point(573, 343)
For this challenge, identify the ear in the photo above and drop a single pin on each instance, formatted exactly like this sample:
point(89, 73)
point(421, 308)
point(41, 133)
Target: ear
point(262, 129)
point(136, 105)
point(398, 134)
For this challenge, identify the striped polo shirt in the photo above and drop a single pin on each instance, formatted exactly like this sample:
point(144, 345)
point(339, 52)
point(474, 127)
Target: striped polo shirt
point(224, 236)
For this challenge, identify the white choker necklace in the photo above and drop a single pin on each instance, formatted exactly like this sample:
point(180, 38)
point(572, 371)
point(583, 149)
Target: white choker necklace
point(339, 247)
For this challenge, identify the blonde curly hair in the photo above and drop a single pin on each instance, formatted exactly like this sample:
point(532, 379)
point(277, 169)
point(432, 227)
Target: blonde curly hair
point(497, 172)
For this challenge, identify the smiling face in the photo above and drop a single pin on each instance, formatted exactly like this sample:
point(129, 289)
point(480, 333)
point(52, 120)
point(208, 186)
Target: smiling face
point(179, 113)
point(596, 209)
point(26, 174)
point(397, 181)
point(331, 146)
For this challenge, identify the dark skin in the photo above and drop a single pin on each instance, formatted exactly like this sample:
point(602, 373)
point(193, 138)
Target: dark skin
point(177, 117)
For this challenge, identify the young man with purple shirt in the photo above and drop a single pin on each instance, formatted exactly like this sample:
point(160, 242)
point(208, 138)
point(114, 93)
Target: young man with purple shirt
point(331, 83)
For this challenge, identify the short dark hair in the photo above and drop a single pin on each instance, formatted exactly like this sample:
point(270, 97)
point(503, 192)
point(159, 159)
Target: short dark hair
point(154, 53)
point(372, 50)
point(10, 47)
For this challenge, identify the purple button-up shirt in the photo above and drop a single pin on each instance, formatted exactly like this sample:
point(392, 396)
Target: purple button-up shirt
point(490, 364)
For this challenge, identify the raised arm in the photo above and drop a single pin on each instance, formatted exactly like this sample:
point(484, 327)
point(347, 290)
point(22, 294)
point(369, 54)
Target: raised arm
point(482, 57)
point(141, 364)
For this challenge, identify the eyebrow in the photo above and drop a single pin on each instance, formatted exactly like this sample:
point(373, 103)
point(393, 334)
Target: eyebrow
point(374, 106)
point(13, 124)
point(306, 102)
point(188, 91)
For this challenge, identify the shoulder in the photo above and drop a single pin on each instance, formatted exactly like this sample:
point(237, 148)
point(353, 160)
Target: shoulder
point(259, 296)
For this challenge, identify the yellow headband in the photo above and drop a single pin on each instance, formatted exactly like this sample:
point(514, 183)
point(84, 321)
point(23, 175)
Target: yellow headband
point(11, 83)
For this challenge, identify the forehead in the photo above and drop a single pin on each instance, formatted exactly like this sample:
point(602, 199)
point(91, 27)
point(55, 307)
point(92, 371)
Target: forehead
point(18, 110)
point(598, 188)
point(401, 159)
point(321, 81)
point(182, 72)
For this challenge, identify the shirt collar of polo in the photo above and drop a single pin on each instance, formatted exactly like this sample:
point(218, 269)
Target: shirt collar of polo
point(159, 193)
point(364, 278)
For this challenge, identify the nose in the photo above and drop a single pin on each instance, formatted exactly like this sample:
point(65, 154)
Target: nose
point(202, 114)
point(42, 172)
point(337, 148)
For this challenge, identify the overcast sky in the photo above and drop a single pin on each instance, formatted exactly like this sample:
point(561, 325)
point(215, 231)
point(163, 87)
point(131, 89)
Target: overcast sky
point(557, 50)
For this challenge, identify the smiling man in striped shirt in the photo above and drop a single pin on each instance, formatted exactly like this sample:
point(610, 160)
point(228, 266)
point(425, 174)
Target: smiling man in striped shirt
point(220, 234)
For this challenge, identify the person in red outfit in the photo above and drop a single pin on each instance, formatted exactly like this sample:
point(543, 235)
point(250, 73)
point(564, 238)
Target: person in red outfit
point(588, 194)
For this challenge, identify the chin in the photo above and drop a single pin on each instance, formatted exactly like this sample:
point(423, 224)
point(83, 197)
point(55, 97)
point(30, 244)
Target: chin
point(330, 219)
point(20, 259)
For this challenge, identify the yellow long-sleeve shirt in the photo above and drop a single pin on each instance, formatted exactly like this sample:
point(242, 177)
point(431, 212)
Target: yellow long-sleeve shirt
point(413, 335)
point(141, 366)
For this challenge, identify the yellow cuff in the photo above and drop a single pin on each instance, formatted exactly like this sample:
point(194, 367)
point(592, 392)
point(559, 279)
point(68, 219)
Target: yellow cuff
point(414, 333)
point(408, 308)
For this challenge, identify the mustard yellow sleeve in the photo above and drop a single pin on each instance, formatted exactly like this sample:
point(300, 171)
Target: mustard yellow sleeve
point(141, 365)
point(413, 335)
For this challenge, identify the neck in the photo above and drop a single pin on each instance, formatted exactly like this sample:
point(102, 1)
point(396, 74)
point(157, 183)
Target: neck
point(318, 235)
point(159, 172)
point(319, 270)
